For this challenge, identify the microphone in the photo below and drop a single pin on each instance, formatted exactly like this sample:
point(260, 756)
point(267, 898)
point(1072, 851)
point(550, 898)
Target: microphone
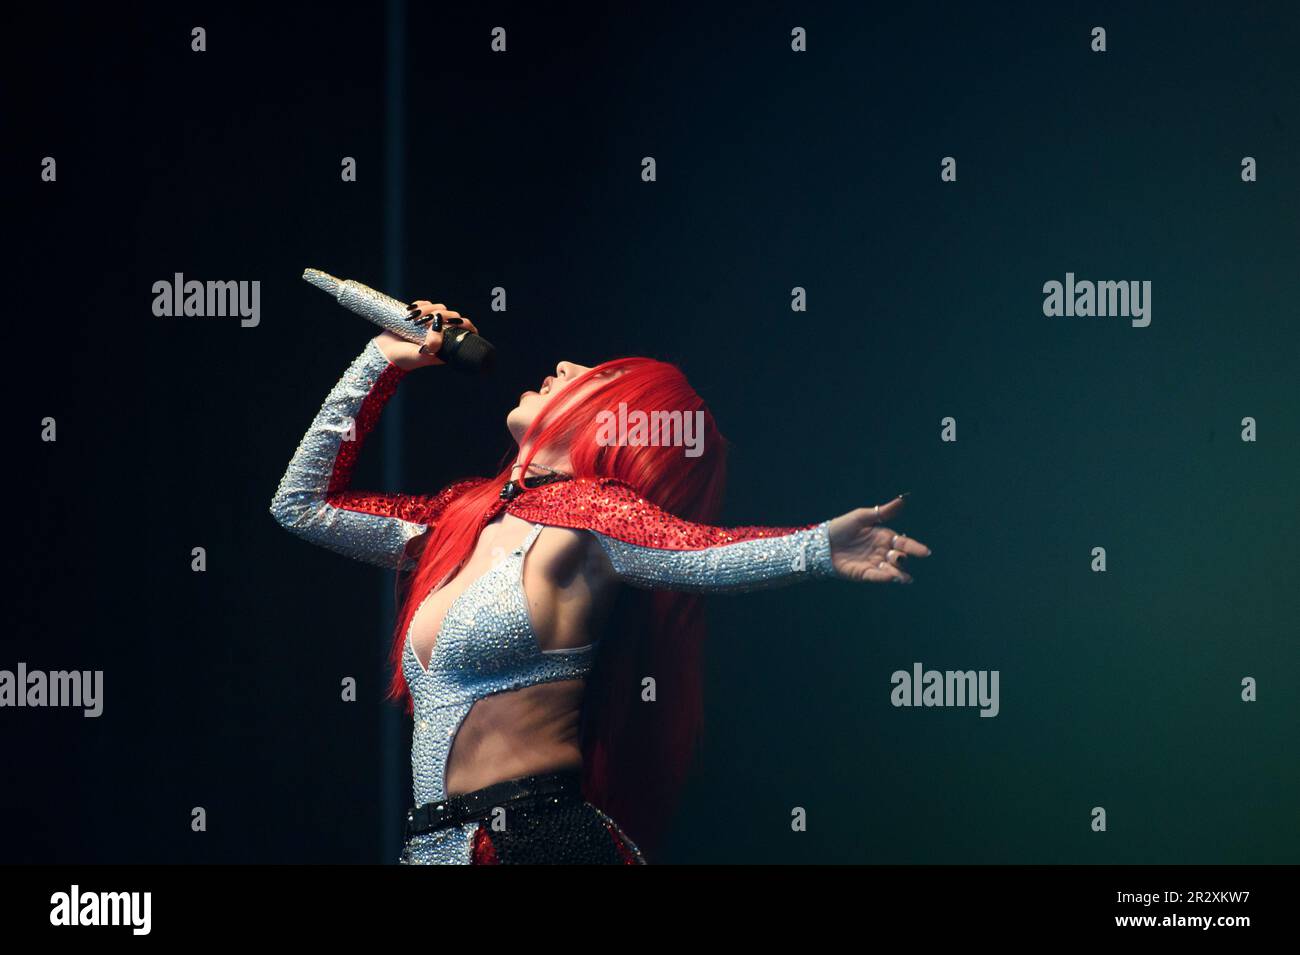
point(461, 348)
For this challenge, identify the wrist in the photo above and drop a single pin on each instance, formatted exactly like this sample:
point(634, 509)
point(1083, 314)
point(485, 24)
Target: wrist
point(818, 552)
point(401, 353)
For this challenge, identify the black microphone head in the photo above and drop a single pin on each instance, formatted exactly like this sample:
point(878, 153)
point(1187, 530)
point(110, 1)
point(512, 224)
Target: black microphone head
point(467, 352)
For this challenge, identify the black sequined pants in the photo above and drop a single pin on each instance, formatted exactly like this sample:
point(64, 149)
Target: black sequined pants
point(534, 820)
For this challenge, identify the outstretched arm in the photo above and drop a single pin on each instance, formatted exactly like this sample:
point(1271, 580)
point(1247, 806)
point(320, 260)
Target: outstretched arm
point(648, 547)
point(782, 556)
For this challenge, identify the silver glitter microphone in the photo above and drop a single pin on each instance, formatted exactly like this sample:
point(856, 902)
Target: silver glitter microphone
point(461, 348)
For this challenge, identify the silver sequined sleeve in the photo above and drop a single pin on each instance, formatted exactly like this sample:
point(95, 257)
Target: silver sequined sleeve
point(755, 564)
point(301, 504)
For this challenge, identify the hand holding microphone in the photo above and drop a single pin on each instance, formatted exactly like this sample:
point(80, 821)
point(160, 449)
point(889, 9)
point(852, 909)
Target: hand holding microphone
point(437, 324)
point(444, 336)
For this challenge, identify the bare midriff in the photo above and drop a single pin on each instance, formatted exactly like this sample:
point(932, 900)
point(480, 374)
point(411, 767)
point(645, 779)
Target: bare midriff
point(523, 732)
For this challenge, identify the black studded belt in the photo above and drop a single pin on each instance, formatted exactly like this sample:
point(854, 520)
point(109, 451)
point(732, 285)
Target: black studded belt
point(479, 804)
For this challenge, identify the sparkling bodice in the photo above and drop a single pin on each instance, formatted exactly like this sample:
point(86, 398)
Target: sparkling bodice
point(486, 644)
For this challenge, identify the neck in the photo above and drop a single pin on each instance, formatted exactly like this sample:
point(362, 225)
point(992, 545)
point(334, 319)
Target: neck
point(536, 474)
point(542, 463)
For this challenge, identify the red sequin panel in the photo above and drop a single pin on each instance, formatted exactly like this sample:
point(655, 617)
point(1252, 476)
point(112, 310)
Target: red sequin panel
point(483, 852)
point(613, 508)
point(416, 508)
point(621, 846)
point(406, 507)
point(371, 407)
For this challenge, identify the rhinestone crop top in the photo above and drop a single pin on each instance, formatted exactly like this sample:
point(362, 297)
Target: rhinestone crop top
point(486, 643)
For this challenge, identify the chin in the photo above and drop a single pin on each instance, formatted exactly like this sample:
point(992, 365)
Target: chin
point(518, 420)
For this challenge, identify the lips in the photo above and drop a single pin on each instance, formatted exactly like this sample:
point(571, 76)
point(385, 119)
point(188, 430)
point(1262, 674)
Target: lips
point(546, 389)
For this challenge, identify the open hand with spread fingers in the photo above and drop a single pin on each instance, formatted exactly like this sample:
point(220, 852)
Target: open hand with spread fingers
point(863, 548)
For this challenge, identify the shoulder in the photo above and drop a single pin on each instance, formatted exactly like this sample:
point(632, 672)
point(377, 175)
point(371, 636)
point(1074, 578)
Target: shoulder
point(456, 488)
point(436, 504)
point(576, 501)
point(604, 505)
point(427, 509)
point(616, 509)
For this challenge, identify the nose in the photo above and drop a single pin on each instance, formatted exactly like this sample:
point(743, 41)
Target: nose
point(564, 370)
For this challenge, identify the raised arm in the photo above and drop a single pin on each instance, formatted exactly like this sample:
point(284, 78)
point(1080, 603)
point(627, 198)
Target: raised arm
point(314, 499)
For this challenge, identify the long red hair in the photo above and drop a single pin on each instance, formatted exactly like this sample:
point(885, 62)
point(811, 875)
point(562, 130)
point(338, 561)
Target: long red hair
point(635, 753)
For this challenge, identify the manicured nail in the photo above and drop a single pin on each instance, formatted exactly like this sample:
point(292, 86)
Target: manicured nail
point(455, 321)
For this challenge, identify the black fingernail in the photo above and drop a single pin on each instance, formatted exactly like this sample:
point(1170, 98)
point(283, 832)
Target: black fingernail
point(454, 321)
point(905, 494)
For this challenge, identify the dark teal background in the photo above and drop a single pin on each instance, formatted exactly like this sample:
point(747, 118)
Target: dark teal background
point(775, 169)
